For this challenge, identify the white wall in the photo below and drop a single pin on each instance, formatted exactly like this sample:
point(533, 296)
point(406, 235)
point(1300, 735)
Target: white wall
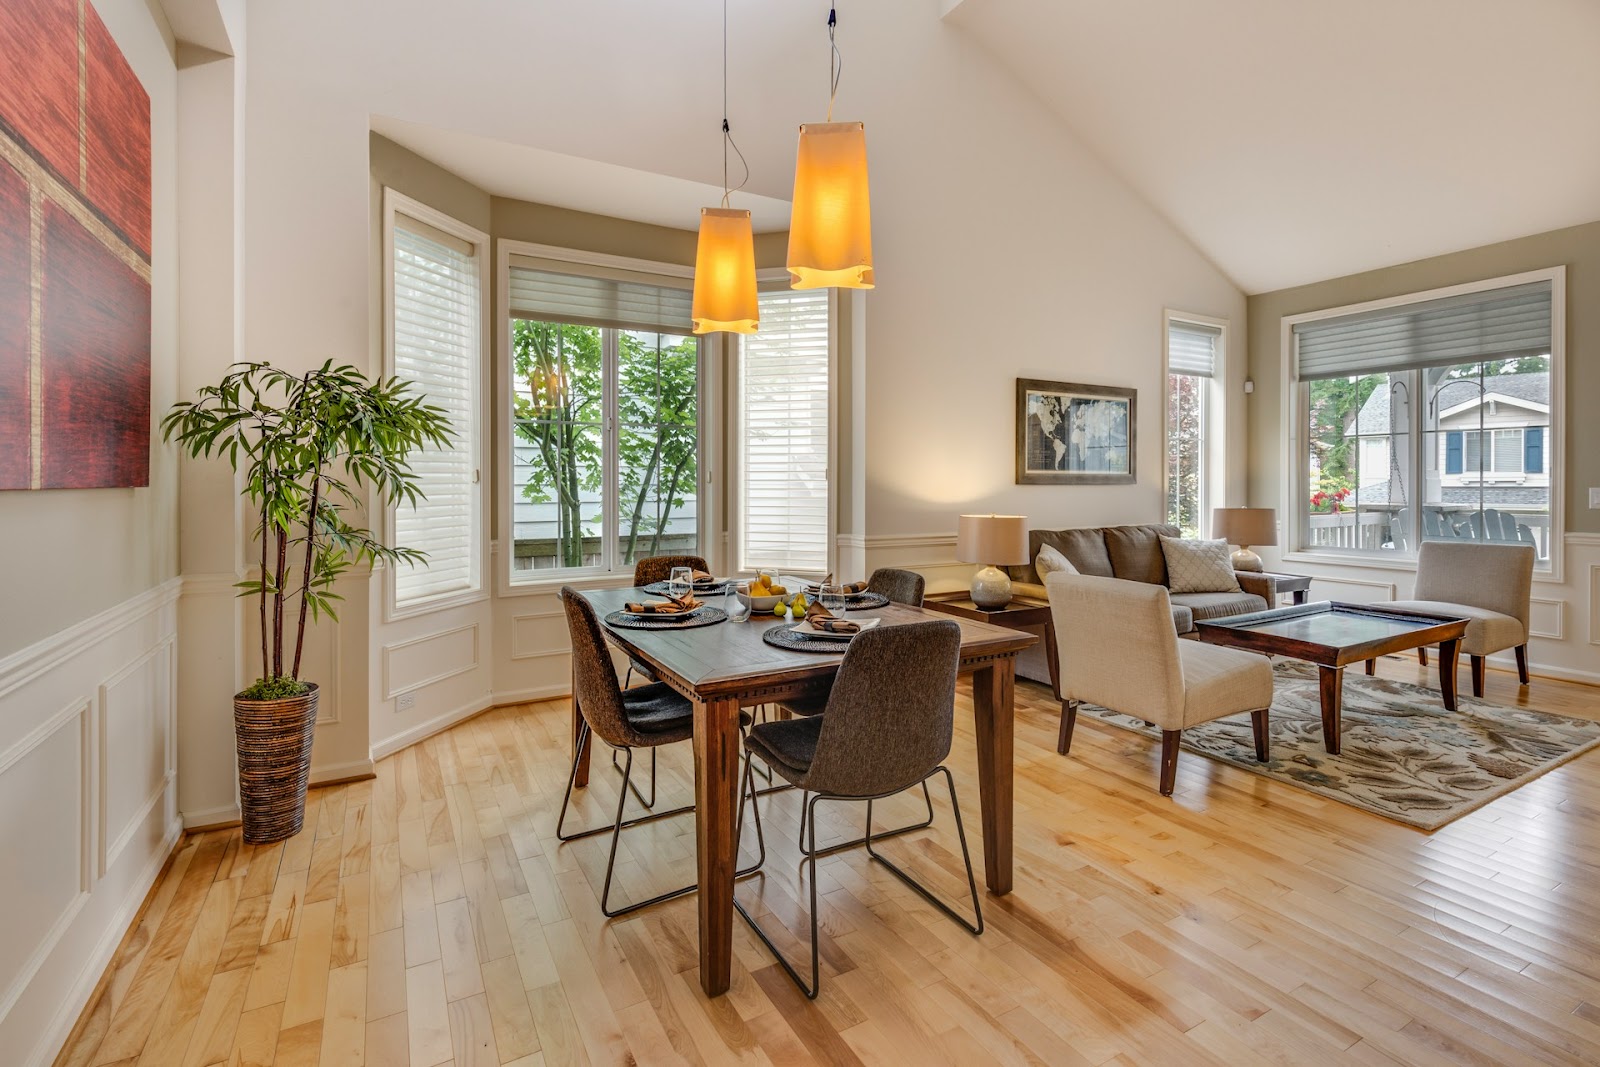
point(88, 654)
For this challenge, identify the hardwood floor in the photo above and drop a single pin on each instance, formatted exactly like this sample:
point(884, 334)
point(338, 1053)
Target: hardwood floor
point(429, 917)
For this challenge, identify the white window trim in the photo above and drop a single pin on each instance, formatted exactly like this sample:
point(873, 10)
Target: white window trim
point(1293, 517)
point(710, 384)
point(1213, 487)
point(395, 202)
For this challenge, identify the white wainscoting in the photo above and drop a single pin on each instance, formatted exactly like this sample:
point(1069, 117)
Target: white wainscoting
point(88, 808)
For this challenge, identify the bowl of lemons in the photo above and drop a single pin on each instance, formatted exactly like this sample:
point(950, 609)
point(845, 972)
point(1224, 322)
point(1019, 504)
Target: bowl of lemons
point(770, 594)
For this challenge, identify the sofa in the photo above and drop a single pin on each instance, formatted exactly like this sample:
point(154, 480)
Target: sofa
point(1134, 554)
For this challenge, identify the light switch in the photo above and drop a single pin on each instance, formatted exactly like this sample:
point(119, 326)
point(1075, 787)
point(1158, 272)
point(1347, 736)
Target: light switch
point(1594, 498)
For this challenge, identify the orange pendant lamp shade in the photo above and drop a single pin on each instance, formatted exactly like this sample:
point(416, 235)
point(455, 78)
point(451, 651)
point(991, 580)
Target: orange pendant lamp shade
point(830, 227)
point(725, 273)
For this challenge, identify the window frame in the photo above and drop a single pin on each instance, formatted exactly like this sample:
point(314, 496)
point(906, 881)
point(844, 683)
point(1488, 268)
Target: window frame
point(1214, 444)
point(709, 387)
point(1294, 486)
point(397, 203)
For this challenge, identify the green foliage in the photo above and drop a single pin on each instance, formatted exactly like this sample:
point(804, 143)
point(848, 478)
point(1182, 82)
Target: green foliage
point(1335, 405)
point(1185, 450)
point(279, 688)
point(562, 418)
point(307, 445)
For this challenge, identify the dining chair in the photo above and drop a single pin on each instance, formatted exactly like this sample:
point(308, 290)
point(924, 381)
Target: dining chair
point(646, 716)
point(900, 586)
point(648, 571)
point(887, 727)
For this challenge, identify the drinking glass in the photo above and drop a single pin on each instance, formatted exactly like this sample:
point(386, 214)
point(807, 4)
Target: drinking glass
point(681, 581)
point(737, 599)
point(832, 596)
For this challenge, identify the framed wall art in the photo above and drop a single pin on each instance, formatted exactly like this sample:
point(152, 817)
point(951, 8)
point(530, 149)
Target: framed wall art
point(1069, 434)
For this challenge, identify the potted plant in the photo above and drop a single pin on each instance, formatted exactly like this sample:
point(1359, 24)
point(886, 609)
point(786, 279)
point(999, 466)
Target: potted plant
point(308, 446)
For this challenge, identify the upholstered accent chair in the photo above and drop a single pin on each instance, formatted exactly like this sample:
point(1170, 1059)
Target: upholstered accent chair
point(1489, 585)
point(1119, 650)
point(887, 727)
point(644, 717)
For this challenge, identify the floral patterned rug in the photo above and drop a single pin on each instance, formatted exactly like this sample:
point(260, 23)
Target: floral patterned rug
point(1403, 755)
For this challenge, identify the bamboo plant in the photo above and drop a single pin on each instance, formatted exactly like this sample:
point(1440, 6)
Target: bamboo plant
point(308, 445)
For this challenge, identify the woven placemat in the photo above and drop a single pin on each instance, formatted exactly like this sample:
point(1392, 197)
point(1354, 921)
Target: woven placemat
point(706, 616)
point(665, 589)
point(781, 636)
point(858, 601)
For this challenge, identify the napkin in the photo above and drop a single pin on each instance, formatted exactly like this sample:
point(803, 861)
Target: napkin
point(822, 619)
point(849, 589)
point(670, 606)
point(702, 578)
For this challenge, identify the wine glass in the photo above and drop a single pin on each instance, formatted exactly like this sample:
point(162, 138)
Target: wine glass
point(737, 599)
point(680, 581)
point(831, 594)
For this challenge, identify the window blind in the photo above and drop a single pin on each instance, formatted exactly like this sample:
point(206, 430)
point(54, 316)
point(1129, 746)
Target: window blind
point(551, 291)
point(783, 470)
point(437, 314)
point(1192, 349)
point(1494, 324)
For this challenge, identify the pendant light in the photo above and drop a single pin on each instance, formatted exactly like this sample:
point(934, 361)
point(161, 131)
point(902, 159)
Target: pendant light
point(830, 228)
point(725, 255)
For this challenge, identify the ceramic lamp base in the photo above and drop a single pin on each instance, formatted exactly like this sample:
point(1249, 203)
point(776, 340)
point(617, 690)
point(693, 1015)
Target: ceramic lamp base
point(991, 588)
point(1246, 560)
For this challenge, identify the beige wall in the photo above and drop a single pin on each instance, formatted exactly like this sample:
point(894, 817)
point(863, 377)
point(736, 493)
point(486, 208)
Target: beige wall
point(1577, 247)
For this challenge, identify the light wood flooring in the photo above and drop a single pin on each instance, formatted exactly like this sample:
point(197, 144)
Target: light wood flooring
point(430, 917)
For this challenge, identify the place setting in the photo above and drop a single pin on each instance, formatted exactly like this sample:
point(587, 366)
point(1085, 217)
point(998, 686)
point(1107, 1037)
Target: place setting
point(683, 612)
point(820, 630)
point(689, 579)
point(854, 595)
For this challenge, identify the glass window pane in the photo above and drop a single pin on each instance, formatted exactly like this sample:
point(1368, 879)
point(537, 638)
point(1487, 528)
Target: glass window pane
point(658, 446)
point(1507, 452)
point(1186, 397)
point(557, 485)
point(1354, 481)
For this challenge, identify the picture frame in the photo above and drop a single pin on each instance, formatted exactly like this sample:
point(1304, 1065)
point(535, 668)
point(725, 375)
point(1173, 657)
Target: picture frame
point(1074, 434)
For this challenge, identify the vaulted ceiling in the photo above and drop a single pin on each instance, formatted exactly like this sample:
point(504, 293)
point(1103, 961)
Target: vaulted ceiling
point(1296, 140)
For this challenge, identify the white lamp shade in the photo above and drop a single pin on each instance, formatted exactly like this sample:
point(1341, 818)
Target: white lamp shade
point(1245, 526)
point(992, 539)
point(830, 224)
point(725, 273)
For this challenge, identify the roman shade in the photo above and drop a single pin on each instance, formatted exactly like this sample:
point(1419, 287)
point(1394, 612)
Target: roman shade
point(1192, 349)
point(1493, 324)
point(590, 295)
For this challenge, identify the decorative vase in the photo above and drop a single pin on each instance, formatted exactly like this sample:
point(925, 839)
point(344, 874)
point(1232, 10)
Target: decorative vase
point(274, 740)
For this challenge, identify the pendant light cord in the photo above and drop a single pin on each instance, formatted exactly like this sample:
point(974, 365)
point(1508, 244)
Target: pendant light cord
point(727, 130)
point(835, 60)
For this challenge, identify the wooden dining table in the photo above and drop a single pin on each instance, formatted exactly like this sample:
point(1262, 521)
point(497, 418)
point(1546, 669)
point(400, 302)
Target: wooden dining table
point(725, 667)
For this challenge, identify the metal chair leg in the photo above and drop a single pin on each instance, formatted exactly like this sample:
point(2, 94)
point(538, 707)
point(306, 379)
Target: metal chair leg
point(829, 850)
point(647, 803)
point(811, 877)
point(561, 834)
point(972, 882)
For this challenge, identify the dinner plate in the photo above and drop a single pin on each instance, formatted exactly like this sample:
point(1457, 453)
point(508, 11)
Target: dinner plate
point(805, 629)
point(674, 617)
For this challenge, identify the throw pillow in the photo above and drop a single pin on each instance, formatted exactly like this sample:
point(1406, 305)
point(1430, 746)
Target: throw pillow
point(1049, 561)
point(1198, 566)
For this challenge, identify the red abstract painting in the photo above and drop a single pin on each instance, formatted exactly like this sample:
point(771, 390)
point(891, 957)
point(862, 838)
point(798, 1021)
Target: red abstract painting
point(75, 237)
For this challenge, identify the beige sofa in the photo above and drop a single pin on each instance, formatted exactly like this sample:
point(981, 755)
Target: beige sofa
point(1132, 553)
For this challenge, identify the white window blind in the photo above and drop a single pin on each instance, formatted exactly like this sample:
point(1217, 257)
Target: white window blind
point(597, 296)
point(783, 470)
point(437, 316)
point(1192, 349)
point(1492, 324)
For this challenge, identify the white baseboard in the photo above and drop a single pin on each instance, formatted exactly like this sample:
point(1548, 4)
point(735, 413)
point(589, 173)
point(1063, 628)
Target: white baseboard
point(338, 772)
point(83, 986)
point(424, 730)
point(210, 816)
point(528, 696)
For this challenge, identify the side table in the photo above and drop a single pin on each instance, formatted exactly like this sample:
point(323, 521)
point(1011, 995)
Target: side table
point(1022, 613)
point(1298, 586)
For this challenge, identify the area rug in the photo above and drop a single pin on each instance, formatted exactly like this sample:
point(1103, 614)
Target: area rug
point(1403, 755)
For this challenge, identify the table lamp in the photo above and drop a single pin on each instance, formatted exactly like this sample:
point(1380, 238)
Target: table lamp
point(1245, 527)
point(994, 541)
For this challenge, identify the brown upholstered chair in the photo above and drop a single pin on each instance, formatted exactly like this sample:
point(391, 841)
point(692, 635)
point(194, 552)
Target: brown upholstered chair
point(887, 727)
point(646, 716)
point(900, 586)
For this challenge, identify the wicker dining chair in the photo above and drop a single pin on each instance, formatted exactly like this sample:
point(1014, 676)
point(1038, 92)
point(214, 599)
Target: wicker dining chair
point(646, 716)
point(887, 727)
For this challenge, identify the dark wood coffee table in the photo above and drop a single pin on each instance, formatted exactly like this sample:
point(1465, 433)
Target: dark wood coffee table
point(1334, 635)
point(1022, 613)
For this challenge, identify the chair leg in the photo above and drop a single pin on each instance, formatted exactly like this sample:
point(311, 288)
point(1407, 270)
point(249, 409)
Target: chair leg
point(1258, 726)
point(1522, 664)
point(1372, 667)
point(975, 927)
point(1069, 719)
point(1422, 655)
point(1169, 760)
point(647, 803)
point(584, 735)
point(1477, 676)
point(927, 821)
point(809, 861)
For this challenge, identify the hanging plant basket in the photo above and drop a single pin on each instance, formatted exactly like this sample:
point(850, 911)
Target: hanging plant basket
point(274, 740)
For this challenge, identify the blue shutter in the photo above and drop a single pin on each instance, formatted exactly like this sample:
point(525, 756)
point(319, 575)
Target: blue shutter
point(1533, 450)
point(1452, 452)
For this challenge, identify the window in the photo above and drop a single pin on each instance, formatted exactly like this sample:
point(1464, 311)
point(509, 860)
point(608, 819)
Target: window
point(605, 419)
point(1430, 419)
point(1192, 351)
point(435, 342)
point(783, 497)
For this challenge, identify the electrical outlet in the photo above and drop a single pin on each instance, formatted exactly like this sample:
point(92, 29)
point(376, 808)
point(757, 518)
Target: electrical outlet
point(405, 702)
point(1594, 498)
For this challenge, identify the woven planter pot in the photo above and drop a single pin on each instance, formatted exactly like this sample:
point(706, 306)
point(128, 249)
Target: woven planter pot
point(274, 740)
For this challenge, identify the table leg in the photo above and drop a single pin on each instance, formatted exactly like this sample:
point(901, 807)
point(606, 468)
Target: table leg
point(1449, 661)
point(993, 689)
point(716, 776)
point(582, 776)
point(1332, 698)
point(1298, 597)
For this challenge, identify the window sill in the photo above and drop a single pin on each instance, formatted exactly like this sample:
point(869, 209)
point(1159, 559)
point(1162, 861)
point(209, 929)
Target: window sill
point(552, 586)
point(1548, 574)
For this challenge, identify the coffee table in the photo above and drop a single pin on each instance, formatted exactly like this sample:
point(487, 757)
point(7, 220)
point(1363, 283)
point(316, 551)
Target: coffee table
point(1021, 613)
point(1333, 635)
